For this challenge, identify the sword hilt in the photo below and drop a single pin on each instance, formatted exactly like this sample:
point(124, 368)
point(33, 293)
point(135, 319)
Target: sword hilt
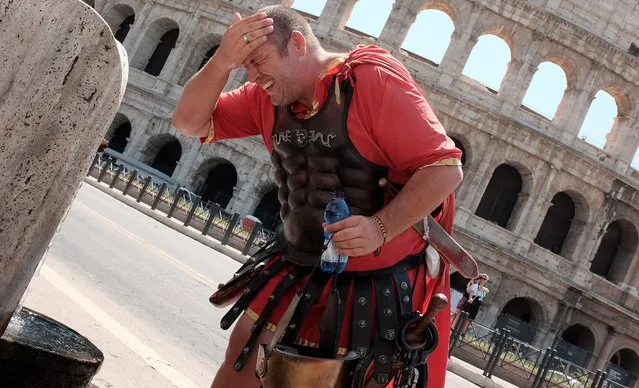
point(415, 336)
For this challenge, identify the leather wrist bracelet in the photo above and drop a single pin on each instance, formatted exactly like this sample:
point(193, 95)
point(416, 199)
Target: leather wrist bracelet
point(381, 227)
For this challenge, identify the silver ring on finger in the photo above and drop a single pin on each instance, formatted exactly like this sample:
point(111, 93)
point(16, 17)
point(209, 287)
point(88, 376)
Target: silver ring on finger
point(246, 39)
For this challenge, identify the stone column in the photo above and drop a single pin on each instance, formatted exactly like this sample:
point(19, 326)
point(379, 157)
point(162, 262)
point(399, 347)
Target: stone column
point(174, 66)
point(516, 82)
point(139, 137)
point(482, 178)
point(633, 272)
point(526, 214)
point(397, 26)
point(604, 354)
point(530, 223)
point(187, 162)
point(574, 107)
point(59, 96)
point(461, 45)
point(136, 34)
point(469, 193)
point(622, 140)
point(334, 15)
point(246, 185)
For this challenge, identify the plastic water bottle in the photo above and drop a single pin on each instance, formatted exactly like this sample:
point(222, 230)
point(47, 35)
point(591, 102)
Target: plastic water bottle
point(336, 210)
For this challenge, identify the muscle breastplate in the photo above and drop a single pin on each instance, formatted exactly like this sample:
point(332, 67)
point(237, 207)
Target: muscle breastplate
point(312, 159)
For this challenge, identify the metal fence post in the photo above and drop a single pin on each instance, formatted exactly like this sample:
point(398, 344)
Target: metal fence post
point(147, 182)
point(537, 381)
point(134, 175)
point(456, 330)
point(209, 220)
point(174, 204)
point(602, 379)
point(116, 177)
point(497, 352)
point(595, 380)
point(194, 207)
point(102, 173)
point(157, 199)
point(229, 230)
point(95, 161)
point(493, 353)
point(544, 372)
point(249, 242)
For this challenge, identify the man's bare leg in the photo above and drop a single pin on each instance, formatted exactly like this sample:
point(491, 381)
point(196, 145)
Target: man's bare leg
point(226, 375)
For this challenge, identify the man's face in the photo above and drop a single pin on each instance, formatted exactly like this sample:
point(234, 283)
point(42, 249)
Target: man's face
point(274, 73)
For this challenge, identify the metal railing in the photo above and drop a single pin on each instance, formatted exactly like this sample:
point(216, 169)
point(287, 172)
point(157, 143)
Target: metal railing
point(178, 203)
point(498, 353)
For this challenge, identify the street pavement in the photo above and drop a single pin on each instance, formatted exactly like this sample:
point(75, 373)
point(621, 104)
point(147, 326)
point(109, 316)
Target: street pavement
point(139, 291)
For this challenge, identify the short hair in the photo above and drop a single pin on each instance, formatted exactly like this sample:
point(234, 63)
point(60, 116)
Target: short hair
point(285, 21)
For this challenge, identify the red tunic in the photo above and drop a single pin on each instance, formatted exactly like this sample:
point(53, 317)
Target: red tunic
point(390, 123)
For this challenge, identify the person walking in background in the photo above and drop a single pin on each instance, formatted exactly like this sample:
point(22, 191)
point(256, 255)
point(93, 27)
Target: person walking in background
point(471, 301)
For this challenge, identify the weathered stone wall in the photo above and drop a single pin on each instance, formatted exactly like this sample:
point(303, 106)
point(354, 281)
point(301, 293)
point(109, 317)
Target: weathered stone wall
point(589, 40)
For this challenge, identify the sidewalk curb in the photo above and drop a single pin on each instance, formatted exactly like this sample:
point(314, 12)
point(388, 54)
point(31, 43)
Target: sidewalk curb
point(471, 376)
point(162, 218)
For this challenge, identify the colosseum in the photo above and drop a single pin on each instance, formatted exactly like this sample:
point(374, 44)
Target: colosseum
point(552, 218)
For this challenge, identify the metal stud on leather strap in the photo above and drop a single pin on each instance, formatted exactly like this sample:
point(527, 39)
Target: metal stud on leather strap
point(360, 329)
point(382, 379)
point(390, 334)
point(385, 332)
point(404, 292)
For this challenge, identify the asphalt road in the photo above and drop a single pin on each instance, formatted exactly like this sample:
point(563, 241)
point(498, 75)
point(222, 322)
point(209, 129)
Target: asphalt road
point(139, 290)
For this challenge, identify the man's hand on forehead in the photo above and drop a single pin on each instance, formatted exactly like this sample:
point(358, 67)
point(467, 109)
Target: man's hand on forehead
point(242, 38)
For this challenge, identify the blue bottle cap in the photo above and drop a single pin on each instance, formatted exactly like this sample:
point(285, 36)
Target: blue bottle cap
point(339, 194)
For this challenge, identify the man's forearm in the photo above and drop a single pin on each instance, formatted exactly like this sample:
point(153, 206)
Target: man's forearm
point(199, 98)
point(425, 190)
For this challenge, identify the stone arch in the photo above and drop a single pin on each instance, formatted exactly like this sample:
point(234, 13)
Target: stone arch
point(547, 74)
point(120, 19)
point(616, 251)
point(446, 8)
point(163, 152)
point(458, 282)
point(577, 344)
point(501, 195)
point(562, 223)
point(433, 49)
point(609, 106)
point(627, 360)
point(358, 17)
point(202, 52)
point(157, 44)
point(523, 316)
point(490, 70)
point(215, 181)
point(119, 133)
point(268, 209)
point(621, 97)
point(464, 146)
point(571, 71)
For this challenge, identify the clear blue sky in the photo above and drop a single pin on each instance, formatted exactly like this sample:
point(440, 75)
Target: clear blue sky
point(429, 37)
